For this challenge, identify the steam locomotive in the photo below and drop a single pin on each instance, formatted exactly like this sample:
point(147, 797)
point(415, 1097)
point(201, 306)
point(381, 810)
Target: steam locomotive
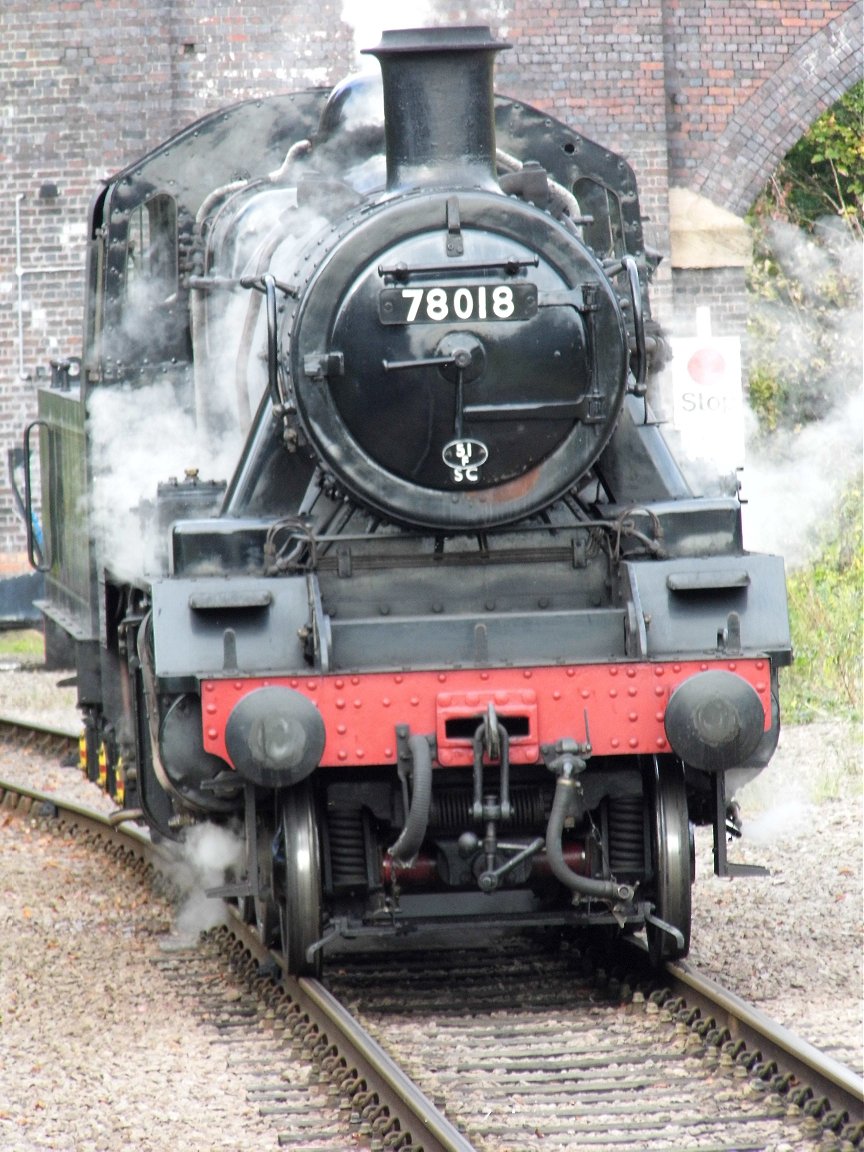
point(452, 644)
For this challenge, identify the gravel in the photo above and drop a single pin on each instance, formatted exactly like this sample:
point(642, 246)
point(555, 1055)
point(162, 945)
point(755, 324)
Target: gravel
point(96, 1049)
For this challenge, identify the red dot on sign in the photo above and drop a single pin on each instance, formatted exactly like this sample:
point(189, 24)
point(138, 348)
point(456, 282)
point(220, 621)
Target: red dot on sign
point(706, 365)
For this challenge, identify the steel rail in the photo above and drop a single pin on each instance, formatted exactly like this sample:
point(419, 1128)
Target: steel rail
point(12, 727)
point(429, 1129)
point(402, 1100)
point(816, 1069)
point(127, 836)
point(425, 1125)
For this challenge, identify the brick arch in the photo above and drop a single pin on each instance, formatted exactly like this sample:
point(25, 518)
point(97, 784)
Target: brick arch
point(766, 126)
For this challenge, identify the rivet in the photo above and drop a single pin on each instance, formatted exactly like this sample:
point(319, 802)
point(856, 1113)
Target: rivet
point(633, 742)
point(212, 733)
point(613, 692)
point(342, 754)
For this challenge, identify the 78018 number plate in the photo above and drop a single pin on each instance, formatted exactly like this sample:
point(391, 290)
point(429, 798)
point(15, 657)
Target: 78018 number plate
point(466, 302)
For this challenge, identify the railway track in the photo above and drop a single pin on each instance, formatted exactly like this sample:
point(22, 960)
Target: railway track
point(525, 1048)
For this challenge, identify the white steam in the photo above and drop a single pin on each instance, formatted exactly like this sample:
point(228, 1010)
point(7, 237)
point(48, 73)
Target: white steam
point(208, 853)
point(782, 822)
point(793, 481)
point(369, 20)
point(792, 486)
point(141, 436)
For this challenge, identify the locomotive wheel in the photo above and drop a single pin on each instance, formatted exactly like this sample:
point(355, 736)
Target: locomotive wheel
point(300, 906)
point(673, 866)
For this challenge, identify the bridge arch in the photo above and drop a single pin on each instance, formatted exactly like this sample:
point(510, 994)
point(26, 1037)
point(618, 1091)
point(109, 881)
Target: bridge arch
point(763, 129)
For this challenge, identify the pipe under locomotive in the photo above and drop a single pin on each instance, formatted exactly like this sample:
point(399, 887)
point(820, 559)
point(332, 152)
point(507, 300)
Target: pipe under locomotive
point(455, 645)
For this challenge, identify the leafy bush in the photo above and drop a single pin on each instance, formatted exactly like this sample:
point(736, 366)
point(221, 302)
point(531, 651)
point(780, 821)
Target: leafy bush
point(825, 609)
point(805, 282)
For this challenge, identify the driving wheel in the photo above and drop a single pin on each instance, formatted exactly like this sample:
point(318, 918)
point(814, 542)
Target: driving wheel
point(673, 864)
point(300, 903)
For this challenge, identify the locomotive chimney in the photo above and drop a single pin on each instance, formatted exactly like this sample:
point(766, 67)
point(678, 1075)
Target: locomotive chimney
point(439, 110)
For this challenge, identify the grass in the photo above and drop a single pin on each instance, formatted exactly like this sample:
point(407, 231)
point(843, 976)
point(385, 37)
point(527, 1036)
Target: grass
point(21, 644)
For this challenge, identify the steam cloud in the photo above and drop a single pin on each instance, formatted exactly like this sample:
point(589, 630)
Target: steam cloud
point(792, 479)
point(793, 482)
point(207, 853)
point(142, 436)
point(370, 20)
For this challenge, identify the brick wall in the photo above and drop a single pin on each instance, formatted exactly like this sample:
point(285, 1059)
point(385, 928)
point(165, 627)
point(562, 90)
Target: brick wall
point(720, 289)
point(689, 90)
point(745, 79)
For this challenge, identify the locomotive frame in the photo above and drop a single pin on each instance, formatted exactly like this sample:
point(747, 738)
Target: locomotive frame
point(456, 645)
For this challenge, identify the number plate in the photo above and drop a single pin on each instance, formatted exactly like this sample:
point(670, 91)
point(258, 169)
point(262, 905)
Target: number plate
point(465, 302)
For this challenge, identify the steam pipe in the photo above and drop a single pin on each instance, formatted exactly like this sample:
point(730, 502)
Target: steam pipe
point(416, 822)
point(583, 885)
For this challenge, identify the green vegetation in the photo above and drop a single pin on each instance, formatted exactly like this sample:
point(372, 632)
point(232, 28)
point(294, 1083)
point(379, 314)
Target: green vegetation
point(823, 174)
point(805, 361)
point(826, 616)
point(17, 644)
point(808, 225)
